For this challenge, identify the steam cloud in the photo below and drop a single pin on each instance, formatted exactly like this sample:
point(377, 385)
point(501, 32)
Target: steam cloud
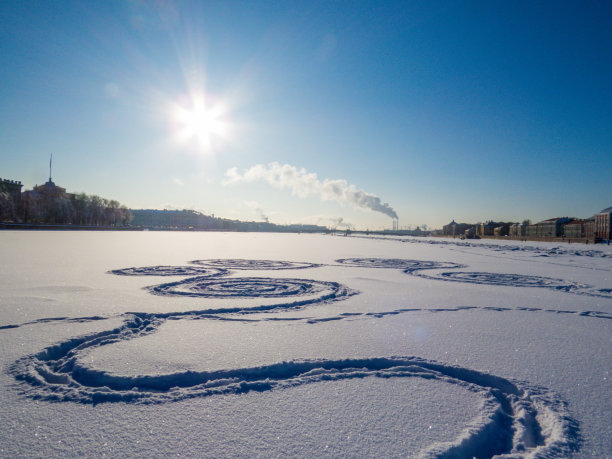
point(336, 222)
point(255, 207)
point(262, 215)
point(303, 183)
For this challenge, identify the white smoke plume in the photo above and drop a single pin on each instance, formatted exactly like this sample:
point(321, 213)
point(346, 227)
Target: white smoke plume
point(262, 215)
point(334, 222)
point(303, 183)
point(339, 223)
point(255, 207)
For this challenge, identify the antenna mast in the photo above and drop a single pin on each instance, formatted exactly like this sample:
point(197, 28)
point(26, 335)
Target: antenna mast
point(50, 163)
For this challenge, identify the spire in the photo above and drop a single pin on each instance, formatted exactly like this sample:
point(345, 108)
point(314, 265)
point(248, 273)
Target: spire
point(50, 163)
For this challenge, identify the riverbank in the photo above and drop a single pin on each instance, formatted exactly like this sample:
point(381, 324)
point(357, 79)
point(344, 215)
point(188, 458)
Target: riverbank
point(30, 226)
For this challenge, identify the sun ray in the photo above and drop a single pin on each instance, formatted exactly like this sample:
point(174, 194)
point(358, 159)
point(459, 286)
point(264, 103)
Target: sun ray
point(201, 121)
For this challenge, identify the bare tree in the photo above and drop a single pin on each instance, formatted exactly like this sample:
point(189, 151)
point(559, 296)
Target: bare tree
point(7, 207)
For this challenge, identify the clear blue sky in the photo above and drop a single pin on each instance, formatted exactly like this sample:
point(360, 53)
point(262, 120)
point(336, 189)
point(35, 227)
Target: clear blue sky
point(441, 110)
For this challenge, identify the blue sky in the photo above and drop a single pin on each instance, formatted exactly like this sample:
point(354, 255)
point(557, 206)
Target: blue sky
point(436, 110)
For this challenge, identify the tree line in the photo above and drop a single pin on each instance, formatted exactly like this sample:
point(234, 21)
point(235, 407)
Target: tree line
point(64, 209)
point(192, 220)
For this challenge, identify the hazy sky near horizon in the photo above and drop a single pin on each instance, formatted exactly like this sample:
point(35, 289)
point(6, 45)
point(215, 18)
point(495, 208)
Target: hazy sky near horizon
point(314, 111)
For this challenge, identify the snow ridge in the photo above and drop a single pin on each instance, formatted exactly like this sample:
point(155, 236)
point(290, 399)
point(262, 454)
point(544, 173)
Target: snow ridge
point(515, 418)
point(381, 314)
point(244, 287)
point(398, 263)
point(542, 251)
point(516, 280)
point(220, 314)
point(55, 319)
point(238, 263)
point(170, 271)
point(213, 284)
point(415, 267)
point(313, 292)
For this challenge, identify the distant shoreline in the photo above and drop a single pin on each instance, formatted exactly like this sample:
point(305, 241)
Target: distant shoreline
point(50, 227)
point(32, 226)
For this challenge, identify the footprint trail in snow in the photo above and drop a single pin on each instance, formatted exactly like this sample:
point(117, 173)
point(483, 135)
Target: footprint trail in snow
point(515, 418)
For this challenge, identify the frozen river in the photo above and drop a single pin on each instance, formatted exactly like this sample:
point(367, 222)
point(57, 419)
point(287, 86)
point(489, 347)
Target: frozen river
point(248, 344)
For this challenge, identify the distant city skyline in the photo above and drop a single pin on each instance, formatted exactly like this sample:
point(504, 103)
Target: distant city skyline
point(314, 112)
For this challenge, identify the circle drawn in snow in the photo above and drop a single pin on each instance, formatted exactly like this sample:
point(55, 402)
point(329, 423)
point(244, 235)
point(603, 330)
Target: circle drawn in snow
point(236, 263)
point(510, 280)
point(516, 417)
point(250, 287)
point(169, 271)
point(398, 263)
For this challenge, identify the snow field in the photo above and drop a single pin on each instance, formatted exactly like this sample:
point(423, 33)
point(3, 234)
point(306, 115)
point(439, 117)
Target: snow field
point(506, 353)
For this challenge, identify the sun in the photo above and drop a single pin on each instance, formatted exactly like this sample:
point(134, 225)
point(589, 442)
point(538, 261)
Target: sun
point(202, 123)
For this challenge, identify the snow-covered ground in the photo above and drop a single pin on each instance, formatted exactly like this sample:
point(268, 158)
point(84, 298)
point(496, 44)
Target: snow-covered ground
point(215, 344)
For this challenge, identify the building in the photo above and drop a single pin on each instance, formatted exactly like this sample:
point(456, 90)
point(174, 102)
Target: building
point(598, 227)
point(492, 228)
point(502, 230)
point(553, 227)
point(46, 203)
point(449, 230)
point(589, 228)
point(50, 189)
point(470, 233)
point(574, 229)
point(603, 224)
point(531, 231)
point(517, 229)
point(13, 188)
point(10, 199)
point(579, 229)
point(455, 229)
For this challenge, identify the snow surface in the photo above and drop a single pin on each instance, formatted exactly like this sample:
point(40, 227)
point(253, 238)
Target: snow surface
point(215, 344)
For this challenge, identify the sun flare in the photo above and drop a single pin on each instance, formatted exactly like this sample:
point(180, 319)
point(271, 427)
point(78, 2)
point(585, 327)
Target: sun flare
point(201, 122)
